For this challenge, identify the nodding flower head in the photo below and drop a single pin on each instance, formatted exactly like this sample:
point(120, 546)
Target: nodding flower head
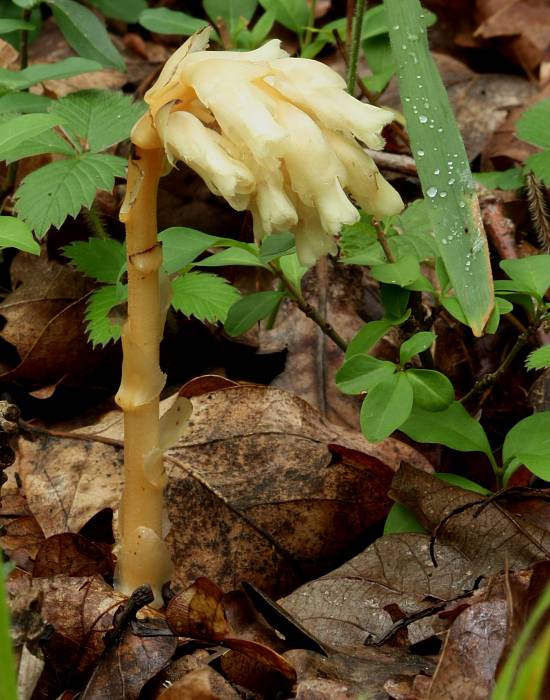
point(276, 135)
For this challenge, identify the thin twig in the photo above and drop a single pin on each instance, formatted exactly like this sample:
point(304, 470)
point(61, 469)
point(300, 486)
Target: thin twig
point(355, 42)
point(310, 311)
point(381, 236)
point(488, 381)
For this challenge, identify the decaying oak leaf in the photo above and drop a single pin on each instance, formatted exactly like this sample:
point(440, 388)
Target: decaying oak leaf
point(353, 672)
point(348, 605)
point(198, 612)
point(45, 322)
point(20, 535)
point(491, 538)
point(79, 610)
point(71, 554)
point(253, 491)
point(200, 684)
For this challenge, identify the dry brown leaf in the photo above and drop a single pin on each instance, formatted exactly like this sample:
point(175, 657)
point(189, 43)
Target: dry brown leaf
point(253, 489)
point(128, 666)
point(521, 25)
point(20, 536)
point(491, 539)
point(198, 612)
point(45, 321)
point(347, 606)
point(71, 555)
point(79, 609)
point(200, 684)
point(352, 672)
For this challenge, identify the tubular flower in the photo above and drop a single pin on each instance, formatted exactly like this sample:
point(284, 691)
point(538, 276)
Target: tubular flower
point(276, 135)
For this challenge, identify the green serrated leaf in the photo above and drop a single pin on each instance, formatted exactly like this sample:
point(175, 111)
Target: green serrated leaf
point(102, 259)
point(292, 14)
point(101, 328)
point(23, 79)
point(532, 126)
point(231, 11)
point(528, 443)
point(85, 33)
point(361, 373)
point(23, 127)
point(432, 390)
point(24, 102)
point(511, 179)
point(415, 344)
point(100, 118)
point(164, 21)
point(127, 10)
point(249, 310)
point(60, 189)
point(402, 272)
point(203, 295)
point(453, 427)
point(274, 246)
point(14, 25)
point(387, 406)
point(532, 272)
point(539, 165)
point(232, 256)
point(15, 233)
point(539, 358)
point(46, 142)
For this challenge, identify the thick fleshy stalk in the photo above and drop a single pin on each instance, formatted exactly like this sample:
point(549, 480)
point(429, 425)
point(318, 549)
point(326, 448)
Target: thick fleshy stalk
point(142, 554)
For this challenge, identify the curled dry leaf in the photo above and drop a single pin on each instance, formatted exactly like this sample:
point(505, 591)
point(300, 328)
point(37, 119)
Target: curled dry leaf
point(200, 684)
point(198, 612)
point(253, 489)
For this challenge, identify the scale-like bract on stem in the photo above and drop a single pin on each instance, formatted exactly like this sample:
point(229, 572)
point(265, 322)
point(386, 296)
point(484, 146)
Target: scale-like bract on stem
point(442, 164)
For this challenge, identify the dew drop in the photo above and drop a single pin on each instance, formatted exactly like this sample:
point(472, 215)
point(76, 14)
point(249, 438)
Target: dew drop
point(439, 130)
point(431, 192)
point(437, 171)
point(442, 194)
point(396, 27)
point(451, 181)
point(461, 205)
point(423, 119)
point(407, 99)
point(403, 46)
point(420, 152)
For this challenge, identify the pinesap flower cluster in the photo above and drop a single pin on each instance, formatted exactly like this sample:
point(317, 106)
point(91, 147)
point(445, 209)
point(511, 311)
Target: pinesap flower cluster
point(275, 135)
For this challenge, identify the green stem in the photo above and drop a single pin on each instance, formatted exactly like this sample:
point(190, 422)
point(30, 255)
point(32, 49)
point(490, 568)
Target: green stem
point(311, 23)
point(270, 320)
point(8, 686)
point(310, 311)
point(355, 42)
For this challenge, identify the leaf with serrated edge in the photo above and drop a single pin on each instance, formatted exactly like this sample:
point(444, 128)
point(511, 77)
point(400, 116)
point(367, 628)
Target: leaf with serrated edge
point(532, 126)
point(102, 259)
point(60, 189)
point(15, 233)
point(102, 329)
point(204, 296)
point(100, 118)
point(539, 358)
point(23, 127)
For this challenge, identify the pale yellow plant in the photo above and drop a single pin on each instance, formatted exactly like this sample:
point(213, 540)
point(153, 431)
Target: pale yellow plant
point(276, 135)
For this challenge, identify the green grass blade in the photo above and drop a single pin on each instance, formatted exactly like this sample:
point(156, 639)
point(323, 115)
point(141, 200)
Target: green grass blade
point(442, 163)
point(8, 686)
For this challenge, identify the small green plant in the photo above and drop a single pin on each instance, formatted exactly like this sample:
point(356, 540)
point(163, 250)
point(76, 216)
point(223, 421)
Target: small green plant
point(8, 686)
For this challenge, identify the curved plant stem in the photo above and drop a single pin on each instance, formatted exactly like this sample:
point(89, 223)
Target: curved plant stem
point(312, 8)
point(310, 311)
point(142, 554)
point(355, 42)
